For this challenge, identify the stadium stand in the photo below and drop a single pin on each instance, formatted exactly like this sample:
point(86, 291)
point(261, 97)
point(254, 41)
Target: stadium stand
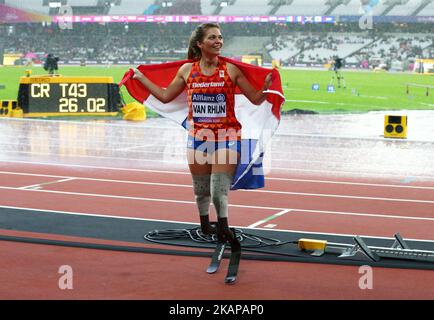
point(255, 7)
point(427, 9)
point(293, 45)
point(350, 7)
point(300, 7)
point(405, 8)
point(208, 7)
point(132, 7)
point(185, 7)
point(237, 46)
point(29, 5)
point(233, 7)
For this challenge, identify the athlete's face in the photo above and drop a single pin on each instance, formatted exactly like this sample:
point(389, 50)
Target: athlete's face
point(212, 42)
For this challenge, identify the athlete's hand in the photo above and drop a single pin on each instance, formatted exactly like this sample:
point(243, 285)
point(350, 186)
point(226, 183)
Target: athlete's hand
point(267, 82)
point(137, 74)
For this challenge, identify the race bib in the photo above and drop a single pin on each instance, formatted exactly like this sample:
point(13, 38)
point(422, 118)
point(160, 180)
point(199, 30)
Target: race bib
point(208, 107)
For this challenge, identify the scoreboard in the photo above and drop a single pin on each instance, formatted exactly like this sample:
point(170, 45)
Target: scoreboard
point(54, 96)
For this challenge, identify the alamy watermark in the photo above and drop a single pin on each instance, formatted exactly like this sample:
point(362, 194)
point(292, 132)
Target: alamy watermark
point(66, 280)
point(366, 22)
point(366, 281)
point(226, 147)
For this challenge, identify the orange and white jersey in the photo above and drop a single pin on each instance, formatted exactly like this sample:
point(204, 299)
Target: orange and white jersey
point(211, 103)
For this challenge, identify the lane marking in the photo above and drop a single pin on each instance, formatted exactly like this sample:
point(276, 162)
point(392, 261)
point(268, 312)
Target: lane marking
point(230, 205)
point(279, 214)
point(270, 225)
point(180, 222)
point(40, 185)
point(352, 173)
point(85, 156)
point(95, 167)
point(357, 183)
point(190, 186)
point(341, 196)
point(277, 192)
point(99, 180)
point(370, 215)
point(134, 198)
point(136, 147)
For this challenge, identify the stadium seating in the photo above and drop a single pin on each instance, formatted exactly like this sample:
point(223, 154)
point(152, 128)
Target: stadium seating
point(351, 7)
point(238, 46)
point(237, 7)
point(405, 9)
point(254, 8)
point(292, 44)
point(207, 7)
point(129, 7)
point(29, 5)
point(428, 10)
point(82, 3)
point(302, 7)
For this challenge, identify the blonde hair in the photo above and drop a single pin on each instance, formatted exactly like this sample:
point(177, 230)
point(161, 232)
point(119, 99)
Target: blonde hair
point(197, 36)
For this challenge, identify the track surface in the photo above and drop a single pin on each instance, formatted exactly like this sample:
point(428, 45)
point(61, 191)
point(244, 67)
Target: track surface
point(311, 203)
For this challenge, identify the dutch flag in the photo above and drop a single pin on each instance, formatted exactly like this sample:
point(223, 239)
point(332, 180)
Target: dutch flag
point(259, 122)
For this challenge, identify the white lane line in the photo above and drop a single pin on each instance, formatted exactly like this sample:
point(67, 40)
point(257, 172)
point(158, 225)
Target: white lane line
point(96, 179)
point(136, 198)
point(181, 162)
point(281, 210)
point(187, 173)
point(189, 186)
point(94, 167)
point(351, 173)
point(85, 156)
point(256, 190)
point(181, 222)
point(341, 196)
point(370, 215)
point(40, 185)
point(270, 225)
point(355, 183)
point(135, 147)
point(279, 214)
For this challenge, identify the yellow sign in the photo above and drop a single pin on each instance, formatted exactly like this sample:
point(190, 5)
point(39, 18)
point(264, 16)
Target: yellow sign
point(424, 66)
point(9, 108)
point(395, 127)
point(252, 59)
point(10, 58)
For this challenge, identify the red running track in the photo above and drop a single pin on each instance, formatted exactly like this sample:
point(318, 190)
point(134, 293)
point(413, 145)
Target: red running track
point(343, 206)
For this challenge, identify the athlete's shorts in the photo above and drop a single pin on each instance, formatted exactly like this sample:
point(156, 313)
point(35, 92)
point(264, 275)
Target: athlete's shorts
point(212, 146)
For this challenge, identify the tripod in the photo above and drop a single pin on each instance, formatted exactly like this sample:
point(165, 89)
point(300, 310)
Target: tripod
point(338, 76)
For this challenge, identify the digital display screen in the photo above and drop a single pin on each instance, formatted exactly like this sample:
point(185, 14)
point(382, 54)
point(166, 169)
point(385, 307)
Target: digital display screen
point(70, 97)
point(395, 119)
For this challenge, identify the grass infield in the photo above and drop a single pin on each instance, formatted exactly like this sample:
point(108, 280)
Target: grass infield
point(365, 90)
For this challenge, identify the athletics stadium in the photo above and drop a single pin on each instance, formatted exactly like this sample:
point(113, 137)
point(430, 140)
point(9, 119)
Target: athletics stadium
point(97, 200)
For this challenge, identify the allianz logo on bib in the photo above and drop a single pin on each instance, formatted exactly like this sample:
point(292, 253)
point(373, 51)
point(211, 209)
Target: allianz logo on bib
point(206, 97)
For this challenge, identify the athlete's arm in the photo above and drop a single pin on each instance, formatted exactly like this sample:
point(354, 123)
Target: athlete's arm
point(255, 96)
point(173, 90)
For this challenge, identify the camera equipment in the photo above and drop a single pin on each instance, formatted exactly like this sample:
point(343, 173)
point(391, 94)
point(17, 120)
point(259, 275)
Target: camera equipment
point(337, 64)
point(51, 63)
